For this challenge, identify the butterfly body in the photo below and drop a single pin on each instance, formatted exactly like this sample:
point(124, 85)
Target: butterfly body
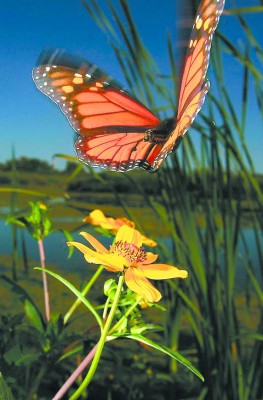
point(160, 133)
point(115, 131)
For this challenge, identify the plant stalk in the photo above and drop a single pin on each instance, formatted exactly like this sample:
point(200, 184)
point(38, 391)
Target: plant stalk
point(44, 278)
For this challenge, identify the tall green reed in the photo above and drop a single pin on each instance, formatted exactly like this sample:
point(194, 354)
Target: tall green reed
point(13, 200)
point(206, 226)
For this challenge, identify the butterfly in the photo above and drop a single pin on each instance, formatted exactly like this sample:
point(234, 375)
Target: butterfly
point(115, 131)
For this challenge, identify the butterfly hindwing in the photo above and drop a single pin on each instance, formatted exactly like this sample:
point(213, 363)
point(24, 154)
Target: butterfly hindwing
point(117, 151)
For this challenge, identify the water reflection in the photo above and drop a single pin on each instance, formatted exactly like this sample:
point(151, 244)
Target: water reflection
point(57, 250)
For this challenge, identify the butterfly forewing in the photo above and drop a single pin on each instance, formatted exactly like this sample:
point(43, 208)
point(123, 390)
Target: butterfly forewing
point(91, 104)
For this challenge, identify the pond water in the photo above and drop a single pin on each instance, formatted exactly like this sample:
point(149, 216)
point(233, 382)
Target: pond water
point(57, 251)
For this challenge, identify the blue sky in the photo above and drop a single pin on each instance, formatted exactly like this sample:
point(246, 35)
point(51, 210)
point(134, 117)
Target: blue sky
point(31, 122)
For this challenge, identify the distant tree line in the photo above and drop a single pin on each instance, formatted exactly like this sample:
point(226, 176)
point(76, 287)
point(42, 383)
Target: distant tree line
point(27, 164)
point(136, 181)
point(147, 183)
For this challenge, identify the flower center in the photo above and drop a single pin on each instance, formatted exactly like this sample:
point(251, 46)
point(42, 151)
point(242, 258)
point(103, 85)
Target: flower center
point(131, 252)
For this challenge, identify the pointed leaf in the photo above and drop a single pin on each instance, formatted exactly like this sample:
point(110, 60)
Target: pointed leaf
point(5, 392)
point(165, 350)
point(77, 293)
point(34, 316)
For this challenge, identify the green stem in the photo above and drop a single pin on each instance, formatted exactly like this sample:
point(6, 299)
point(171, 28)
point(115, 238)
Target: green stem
point(101, 342)
point(84, 292)
point(128, 312)
point(35, 385)
point(105, 310)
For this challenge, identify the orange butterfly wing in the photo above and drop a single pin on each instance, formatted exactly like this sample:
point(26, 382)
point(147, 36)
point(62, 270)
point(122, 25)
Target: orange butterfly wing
point(194, 85)
point(110, 123)
point(118, 151)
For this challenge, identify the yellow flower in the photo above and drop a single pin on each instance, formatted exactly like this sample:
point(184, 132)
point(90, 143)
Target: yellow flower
point(128, 256)
point(98, 218)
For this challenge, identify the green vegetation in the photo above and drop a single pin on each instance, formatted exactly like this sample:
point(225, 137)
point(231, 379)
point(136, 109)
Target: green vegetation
point(35, 173)
point(28, 164)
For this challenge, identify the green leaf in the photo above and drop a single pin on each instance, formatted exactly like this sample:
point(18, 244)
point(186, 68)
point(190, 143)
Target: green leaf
point(165, 350)
point(37, 223)
point(33, 315)
point(5, 391)
point(72, 351)
point(22, 355)
point(18, 291)
point(104, 232)
point(250, 335)
point(110, 288)
point(77, 293)
point(17, 221)
point(23, 191)
point(69, 238)
point(122, 325)
point(137, 330)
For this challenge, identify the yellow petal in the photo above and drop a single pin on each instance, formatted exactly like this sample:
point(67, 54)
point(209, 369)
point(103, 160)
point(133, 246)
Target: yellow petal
point(130, 235)
point(136, 281)
point(88, 253)
point(81, 247)
point(163, 271)
point(97, 217)
point(94, 242)
point(148, 242)
point(124, 221)
point(150, 258)
point(109, 224)
point(111, 262)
